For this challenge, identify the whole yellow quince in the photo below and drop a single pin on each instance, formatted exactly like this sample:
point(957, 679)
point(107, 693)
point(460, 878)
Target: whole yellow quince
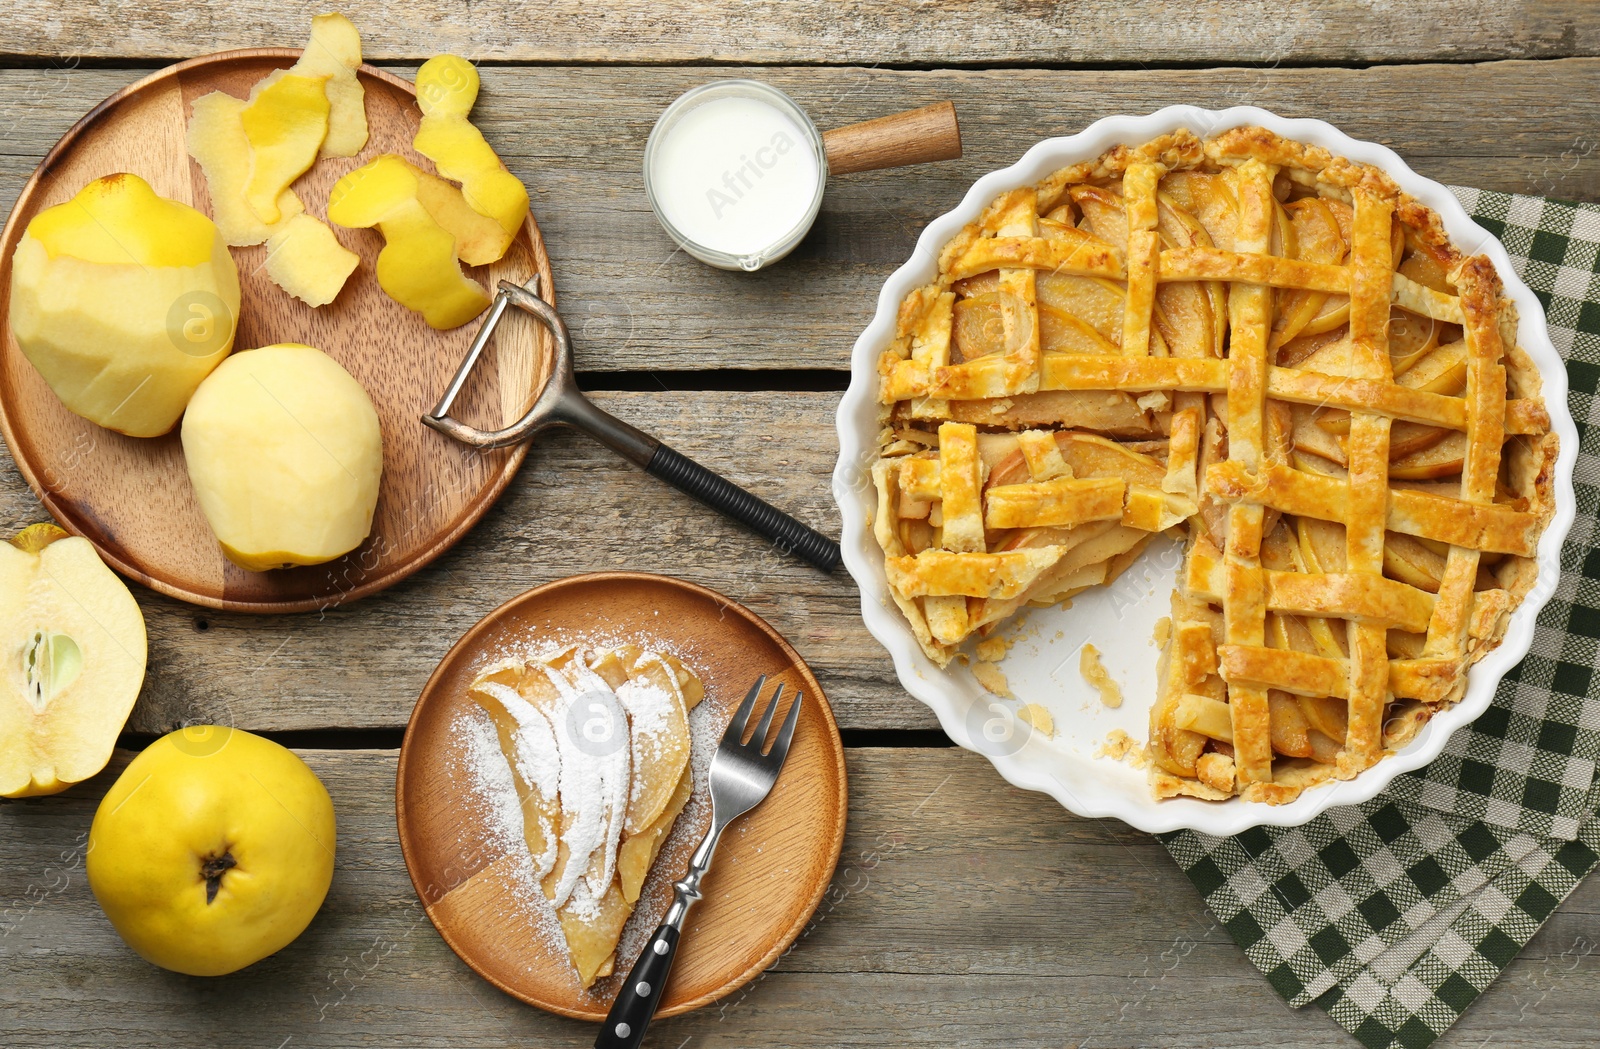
point(213, 850)
point(285, 453)
point(124, 301)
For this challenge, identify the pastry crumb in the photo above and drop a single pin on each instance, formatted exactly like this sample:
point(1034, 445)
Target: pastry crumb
point(1119, 746)
point(1038, 719)
point(1095, 673)
point(993, 650)
point(1163, 632)
point(993, 679)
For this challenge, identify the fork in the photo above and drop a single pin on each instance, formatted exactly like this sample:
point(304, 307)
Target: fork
point(741, 778)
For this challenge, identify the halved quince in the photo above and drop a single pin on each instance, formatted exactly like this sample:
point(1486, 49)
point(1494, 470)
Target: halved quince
point(447, 88)
point(124, 301)
point(417, 267)
point(284, 453)
point(74, 651)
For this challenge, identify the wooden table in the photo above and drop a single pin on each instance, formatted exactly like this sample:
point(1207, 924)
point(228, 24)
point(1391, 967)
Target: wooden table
point(963, 911)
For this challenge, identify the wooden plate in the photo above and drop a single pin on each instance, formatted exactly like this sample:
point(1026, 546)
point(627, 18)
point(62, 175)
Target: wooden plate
point(131, 496)
point(772, 866)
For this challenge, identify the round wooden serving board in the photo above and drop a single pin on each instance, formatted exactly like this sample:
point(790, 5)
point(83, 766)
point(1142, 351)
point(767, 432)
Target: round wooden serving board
point(131, 496)
point(770, 871)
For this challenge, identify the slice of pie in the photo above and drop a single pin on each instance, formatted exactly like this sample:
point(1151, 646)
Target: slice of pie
point(1270, 351)
point(598, 744)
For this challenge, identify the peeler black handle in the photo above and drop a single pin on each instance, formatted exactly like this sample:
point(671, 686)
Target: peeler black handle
point(721, 494)
point(561, 403)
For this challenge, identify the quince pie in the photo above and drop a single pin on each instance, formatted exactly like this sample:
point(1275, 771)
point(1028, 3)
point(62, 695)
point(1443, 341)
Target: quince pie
point(598, 744)
point(1264, 347)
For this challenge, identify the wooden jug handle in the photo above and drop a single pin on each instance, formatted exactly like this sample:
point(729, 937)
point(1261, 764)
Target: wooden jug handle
point(913, 137)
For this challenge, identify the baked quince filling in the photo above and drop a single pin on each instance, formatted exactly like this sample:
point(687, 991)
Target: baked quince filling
point(599, 747)
point(1269, 352)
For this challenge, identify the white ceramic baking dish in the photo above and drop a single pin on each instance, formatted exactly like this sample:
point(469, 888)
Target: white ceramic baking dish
point(1042, 663)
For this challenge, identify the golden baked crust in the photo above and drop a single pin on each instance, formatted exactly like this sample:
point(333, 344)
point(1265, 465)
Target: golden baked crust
point(1270, 349)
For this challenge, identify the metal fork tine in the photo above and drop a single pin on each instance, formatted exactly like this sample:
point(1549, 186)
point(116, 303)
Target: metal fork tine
point(758, 739)
point(741, 717)
point(780, 746)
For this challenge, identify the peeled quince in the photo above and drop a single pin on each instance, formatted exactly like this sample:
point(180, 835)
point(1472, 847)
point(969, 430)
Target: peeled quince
point(417, 266)
point(74, 646)
point(214, 849)
point(447, 88)
point(124, 301)
point(285, 453)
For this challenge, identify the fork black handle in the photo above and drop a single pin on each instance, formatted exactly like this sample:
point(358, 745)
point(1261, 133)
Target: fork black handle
point(641, 993)
point(723, 495)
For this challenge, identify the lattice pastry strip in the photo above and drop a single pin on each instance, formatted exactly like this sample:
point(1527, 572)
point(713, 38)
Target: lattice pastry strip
point(1244, 600)
point(1486, 396)
point(1263, 345)
point(1368, 455)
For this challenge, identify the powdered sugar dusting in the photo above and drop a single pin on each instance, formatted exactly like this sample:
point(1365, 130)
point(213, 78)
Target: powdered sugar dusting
point(492, 779)
point(577, 767)
point(616, 768)
point(538, 761)
point(582, 795)
point(596, 766)
point(494, 790)
point(537, 764)
point(654, 718)
point(649, 709)
point(552, 642)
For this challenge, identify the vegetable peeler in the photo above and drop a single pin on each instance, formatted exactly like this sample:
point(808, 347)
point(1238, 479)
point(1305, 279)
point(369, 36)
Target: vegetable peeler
point(561, 403)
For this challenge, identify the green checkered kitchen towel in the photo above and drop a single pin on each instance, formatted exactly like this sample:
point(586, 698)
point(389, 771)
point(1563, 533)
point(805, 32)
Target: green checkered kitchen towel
point(1394, 915)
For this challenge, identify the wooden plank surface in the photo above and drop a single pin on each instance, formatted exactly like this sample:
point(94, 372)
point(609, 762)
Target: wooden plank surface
point(946, 32)
point(576, 135)
point(964, 912)
point(575, 507)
